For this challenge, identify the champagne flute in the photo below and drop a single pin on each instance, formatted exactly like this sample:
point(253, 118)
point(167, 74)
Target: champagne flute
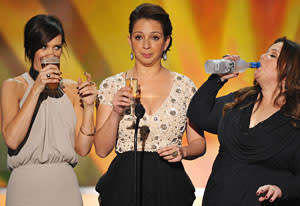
point(132, 82)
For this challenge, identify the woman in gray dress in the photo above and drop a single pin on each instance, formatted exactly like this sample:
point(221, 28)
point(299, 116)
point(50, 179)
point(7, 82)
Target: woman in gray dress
point(42, 127)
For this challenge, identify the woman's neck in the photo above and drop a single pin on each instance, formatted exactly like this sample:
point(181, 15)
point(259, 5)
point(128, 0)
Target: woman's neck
point(145, 72)
point(269, 96)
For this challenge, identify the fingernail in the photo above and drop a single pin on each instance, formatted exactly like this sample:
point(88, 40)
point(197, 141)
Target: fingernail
point(271, 200)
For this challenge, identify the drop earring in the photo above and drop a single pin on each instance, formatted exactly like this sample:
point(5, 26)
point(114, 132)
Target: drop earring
point(131, 56)
point(165, 56)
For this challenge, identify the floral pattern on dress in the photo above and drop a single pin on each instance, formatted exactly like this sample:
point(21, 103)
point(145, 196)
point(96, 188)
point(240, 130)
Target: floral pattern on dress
point(164, 127)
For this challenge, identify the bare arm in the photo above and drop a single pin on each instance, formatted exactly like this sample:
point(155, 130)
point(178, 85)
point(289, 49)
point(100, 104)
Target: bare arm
point(107, 122)
point(196, 143)
point(16, 121)
point(195, 148)
point(84, 95)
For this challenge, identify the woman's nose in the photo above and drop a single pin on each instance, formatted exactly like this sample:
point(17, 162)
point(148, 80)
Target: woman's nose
point(146, 44)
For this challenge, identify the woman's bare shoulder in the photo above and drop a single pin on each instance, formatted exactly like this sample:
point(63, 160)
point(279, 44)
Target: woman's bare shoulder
point(16, 86)
point(17, 83)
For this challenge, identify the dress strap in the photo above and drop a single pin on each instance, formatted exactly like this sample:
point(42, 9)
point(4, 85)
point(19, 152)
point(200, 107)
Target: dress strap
point(28, 78)
point(30, 82)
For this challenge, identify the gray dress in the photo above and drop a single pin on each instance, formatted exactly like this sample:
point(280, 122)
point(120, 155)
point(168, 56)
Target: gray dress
point(42, 172)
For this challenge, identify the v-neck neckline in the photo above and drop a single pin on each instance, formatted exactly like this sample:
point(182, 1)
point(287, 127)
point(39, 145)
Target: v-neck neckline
point(259, 124)
point(165, 100)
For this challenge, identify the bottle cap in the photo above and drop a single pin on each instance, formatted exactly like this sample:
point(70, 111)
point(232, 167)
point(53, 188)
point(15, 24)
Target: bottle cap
point(254, 64)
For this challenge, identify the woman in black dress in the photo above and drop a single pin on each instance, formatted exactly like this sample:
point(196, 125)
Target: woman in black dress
point(165, 96)
point(258, 129)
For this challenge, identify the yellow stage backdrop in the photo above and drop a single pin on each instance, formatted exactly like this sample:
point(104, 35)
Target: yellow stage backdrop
point(97, 30)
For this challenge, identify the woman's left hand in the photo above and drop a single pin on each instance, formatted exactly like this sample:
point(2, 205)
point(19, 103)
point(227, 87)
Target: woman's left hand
point(87, 90)
point(172, 153)
point(271, 192)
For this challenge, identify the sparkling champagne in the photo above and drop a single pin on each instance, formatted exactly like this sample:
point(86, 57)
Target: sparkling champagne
point(133, 84)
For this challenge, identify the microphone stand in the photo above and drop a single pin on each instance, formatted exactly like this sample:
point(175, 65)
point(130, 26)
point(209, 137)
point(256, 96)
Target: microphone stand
point(139, 113)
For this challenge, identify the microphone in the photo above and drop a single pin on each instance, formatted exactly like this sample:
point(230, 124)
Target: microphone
point(139, 111)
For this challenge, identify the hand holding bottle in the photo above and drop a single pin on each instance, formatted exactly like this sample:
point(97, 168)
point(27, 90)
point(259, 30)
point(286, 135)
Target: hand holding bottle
point(229, 64)
point(228, 76)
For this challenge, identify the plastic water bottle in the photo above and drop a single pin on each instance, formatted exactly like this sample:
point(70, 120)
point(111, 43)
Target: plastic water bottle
point(222, 66)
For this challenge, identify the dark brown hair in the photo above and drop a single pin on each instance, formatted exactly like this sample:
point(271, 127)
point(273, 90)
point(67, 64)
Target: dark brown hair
point(154, 12)
point(288, 67)
point(39, 30)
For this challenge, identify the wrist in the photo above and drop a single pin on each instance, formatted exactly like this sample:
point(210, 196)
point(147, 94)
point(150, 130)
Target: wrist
point(88, 107)
point(183, 152)
point(35, 92)
point(90, 134)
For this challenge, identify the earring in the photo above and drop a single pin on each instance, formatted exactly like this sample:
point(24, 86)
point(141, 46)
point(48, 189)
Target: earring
point(131, 56)
point(165, 56)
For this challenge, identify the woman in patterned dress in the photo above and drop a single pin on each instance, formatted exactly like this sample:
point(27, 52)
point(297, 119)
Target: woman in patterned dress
point(165, 96)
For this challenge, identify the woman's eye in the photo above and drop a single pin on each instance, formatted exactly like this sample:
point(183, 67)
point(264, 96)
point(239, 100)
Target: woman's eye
point(156, 37)
point(44, 47)
point(273, 56)
point(57, 47)
point(138, 37)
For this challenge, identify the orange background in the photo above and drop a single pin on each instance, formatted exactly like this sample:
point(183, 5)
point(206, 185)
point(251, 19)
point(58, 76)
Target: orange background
point(97, 30)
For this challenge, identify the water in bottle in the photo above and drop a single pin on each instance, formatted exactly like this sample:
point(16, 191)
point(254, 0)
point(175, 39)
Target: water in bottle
point(223, 66)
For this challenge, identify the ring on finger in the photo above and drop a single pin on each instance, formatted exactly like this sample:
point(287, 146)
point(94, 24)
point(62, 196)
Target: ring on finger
point(174, 154)
point(48, 76)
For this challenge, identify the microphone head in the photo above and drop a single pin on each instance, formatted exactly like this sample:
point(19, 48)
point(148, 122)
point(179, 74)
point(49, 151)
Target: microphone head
point(139, 110)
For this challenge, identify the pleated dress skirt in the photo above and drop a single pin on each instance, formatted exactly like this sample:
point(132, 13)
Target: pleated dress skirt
point(160, 183)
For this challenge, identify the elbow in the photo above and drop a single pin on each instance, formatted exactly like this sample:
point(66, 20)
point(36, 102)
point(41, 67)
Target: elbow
point(82, 152)
point(101, 152)
point(202, 153)
point(102, 148)
point(203, 148)
point(10, 142)
point(12, 146)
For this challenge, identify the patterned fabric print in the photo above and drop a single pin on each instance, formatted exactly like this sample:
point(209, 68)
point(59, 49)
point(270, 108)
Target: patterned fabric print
point(163, 128)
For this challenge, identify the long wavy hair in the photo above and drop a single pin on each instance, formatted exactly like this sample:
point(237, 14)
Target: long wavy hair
point(288, 67)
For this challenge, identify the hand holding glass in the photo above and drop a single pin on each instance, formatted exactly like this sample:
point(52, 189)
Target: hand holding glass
point(47, 60)
point(133, 84)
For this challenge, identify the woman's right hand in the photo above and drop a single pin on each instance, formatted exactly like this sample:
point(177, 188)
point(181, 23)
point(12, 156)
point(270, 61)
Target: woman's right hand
point(268, 192)
point(121, 100)
point(227, 76)
point(48, 74)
